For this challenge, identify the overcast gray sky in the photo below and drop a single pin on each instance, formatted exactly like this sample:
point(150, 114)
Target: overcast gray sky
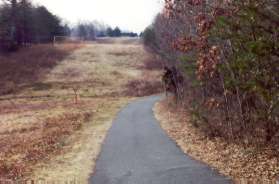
point(133, 15)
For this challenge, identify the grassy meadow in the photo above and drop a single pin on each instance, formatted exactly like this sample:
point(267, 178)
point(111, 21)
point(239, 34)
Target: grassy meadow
point(58, 102)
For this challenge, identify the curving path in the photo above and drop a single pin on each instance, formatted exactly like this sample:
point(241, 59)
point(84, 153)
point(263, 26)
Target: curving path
point(137, 151)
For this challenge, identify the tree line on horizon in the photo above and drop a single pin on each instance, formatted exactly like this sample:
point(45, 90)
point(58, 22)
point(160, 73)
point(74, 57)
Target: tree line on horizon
point(92, 30)
point(22, 23)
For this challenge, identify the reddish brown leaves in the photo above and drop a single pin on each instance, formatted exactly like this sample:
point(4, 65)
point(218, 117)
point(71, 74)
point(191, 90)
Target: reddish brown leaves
point(196, 2)
point(207, 63)
point(185, 44)
point(208, 55)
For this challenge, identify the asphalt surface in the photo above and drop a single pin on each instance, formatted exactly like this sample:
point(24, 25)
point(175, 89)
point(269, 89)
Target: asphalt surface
point(137, 151)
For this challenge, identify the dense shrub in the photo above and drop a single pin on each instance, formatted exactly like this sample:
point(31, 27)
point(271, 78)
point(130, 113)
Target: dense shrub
point(149, 37)
point(228, 53)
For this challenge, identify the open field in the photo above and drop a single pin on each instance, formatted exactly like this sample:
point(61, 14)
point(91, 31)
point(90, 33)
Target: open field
point(58, 102)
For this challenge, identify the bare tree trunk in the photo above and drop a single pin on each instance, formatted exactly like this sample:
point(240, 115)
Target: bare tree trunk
point(228, 119)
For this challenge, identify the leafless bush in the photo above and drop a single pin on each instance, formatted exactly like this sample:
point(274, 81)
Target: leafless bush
point(153, 63)
point(140, 88)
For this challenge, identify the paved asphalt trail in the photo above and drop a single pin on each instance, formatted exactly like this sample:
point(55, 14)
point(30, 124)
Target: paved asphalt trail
point(137, 151)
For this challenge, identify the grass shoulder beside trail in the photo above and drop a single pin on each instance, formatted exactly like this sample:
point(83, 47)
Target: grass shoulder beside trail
point(56, 107)
point(242, 164)
point(76, 161)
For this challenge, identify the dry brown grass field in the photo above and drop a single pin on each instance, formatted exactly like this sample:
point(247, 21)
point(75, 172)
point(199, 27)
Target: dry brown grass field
point(58, 102)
